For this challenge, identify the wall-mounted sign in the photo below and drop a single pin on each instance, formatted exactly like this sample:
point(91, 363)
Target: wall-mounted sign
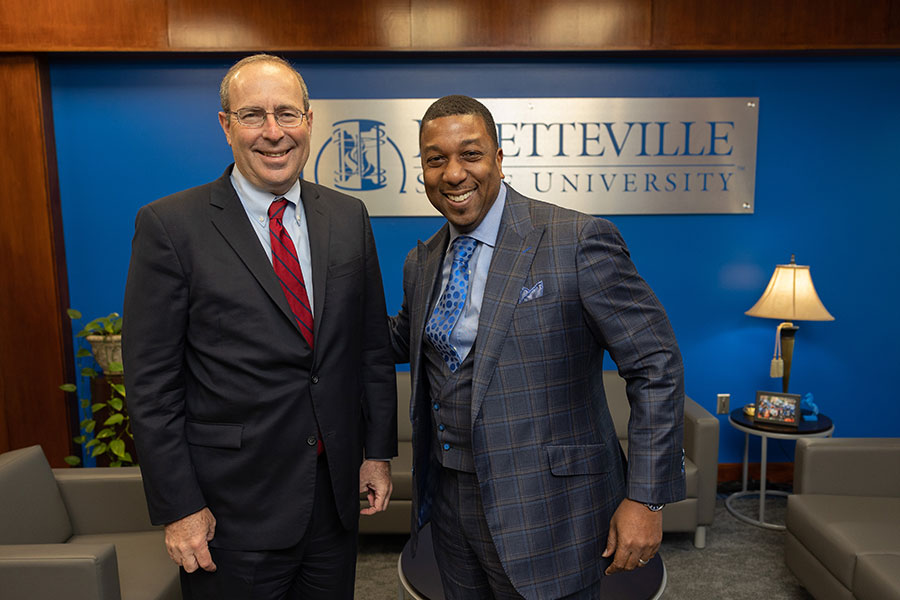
point(601, 156)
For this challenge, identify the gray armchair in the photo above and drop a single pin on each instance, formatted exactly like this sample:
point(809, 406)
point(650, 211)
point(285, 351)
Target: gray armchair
point(843, 520)
point(79, 534)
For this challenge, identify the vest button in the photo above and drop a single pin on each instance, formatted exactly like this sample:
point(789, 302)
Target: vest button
point(315, 379)
point(441, 427)
point(446, 446)
point(437, 406)
point(311, 440)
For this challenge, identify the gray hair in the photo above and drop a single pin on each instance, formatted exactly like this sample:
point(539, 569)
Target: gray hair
point(277, 60)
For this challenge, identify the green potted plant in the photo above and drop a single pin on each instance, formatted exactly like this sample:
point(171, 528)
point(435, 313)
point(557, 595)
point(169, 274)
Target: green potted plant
point(104, 334)
point(108, 420)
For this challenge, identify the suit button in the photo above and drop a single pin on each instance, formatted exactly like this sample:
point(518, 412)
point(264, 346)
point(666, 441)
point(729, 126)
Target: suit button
point(315, 379)
point(311, 440)
point(441, 427)
point(437, 406)
point(446, 446)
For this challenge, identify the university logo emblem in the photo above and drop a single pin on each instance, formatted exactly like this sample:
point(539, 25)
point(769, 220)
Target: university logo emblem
point(354, 157)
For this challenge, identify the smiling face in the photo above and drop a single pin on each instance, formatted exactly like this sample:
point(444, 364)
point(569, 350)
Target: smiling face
point(461, 166)
point(270, 157)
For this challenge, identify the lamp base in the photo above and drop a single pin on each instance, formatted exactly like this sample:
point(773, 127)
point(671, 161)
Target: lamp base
point(787, 352)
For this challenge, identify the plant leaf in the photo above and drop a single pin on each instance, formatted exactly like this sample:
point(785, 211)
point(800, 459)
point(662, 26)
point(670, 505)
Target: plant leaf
point(118, 387)
point(69, 387)
point(116, 403)
point(98, 406)
point(115, 419)
point(82, 352)
point(99, 449)
point(88, 372)
point(105, 433)
point(73, 314)
point(91, 424)
point(79, 439)
point(117, 447)
point(72, 461)
point(115, 366)
point(127, 457)
point(92, 443)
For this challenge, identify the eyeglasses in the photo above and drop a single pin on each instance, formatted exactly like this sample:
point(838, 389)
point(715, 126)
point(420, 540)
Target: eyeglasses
point(255, 117)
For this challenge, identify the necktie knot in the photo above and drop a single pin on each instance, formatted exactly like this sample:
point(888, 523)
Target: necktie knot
point(276, 209)
point(464, 246)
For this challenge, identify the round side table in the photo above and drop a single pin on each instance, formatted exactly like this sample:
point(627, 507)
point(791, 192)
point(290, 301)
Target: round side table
point(821, 427)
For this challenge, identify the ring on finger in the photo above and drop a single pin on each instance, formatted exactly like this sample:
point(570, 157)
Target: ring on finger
point(643, 562)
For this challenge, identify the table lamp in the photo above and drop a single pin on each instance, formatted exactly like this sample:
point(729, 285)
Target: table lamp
point(790, 296)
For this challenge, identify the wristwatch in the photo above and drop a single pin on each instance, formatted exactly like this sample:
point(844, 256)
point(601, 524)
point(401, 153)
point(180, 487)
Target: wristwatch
point(654, 507)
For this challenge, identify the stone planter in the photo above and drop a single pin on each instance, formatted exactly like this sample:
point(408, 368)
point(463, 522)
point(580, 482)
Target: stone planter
point(107, 349)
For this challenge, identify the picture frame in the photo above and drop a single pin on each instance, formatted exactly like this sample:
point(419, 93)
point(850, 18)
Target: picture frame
point(776, 408)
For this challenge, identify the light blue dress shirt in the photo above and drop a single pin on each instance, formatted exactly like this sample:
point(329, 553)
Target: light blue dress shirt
point(463, 335)
point(256, 204)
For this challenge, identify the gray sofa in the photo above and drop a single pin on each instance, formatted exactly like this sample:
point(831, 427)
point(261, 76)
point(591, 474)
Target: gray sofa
point(843, 520)
point(78, 534)
point(701, 444)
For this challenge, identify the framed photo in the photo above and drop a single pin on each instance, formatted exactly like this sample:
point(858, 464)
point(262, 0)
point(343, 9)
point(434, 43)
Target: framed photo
point(777, 408)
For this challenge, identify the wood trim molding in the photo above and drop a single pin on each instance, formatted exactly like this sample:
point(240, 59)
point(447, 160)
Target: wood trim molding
point(405, 26)
point(775, 472)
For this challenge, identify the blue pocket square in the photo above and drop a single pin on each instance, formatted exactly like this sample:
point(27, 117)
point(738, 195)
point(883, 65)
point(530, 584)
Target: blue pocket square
point(527, 295)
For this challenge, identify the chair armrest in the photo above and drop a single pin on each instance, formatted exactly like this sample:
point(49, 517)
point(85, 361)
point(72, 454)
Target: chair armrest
point(104, 499)
point(53, 571)
point(847, 466)
point(701, 445)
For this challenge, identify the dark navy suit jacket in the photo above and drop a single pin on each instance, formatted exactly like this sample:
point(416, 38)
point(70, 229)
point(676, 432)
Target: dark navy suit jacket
point(224, 393)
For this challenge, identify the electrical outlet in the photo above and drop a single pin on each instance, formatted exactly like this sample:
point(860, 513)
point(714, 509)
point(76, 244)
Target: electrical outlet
point(722, 401)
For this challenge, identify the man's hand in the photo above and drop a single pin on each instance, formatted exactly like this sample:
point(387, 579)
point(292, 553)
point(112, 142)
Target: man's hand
point(187, 538)
point(375, 480)
point(635, 533)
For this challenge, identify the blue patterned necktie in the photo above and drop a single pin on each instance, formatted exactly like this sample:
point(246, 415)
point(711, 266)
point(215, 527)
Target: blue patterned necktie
point(449, 307)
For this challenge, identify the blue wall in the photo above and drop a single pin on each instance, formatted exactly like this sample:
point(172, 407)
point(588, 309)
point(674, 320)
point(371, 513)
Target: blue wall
point(826, 190)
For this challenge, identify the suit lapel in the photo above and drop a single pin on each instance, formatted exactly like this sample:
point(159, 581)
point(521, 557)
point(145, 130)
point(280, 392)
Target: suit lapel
point(318, 224)
point(517, 242)
point(429, 257)
point(229, 217)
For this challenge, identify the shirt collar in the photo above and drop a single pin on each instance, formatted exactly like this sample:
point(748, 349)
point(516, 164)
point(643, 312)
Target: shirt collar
point(487, 230)
point(256, 201)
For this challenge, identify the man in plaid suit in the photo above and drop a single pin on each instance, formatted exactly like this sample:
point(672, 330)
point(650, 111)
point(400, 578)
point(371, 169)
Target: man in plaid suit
point(506, 314)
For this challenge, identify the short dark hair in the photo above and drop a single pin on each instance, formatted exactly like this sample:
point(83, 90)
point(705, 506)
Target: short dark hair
point(457, 104)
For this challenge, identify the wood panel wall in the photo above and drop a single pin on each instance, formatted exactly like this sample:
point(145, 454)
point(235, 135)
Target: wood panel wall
point(35, 337)
point(460, 25)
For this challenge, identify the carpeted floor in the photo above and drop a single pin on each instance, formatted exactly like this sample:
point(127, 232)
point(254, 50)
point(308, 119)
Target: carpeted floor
point(739, 562)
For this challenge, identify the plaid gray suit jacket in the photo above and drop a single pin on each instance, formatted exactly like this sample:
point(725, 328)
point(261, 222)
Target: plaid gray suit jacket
point(546, 454)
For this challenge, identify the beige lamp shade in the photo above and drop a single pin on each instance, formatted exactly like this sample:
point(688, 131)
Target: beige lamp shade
point(790, 296)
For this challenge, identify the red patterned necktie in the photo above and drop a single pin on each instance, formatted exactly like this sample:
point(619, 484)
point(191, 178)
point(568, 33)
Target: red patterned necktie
point(287, 268)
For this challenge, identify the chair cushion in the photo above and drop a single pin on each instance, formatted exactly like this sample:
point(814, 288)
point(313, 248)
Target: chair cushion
point(145, 570)
point(31, 508)
point(837, 529)
point(877, 577)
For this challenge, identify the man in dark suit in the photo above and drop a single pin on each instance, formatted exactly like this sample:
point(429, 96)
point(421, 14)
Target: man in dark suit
point(506, 314)
point(257, 360)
